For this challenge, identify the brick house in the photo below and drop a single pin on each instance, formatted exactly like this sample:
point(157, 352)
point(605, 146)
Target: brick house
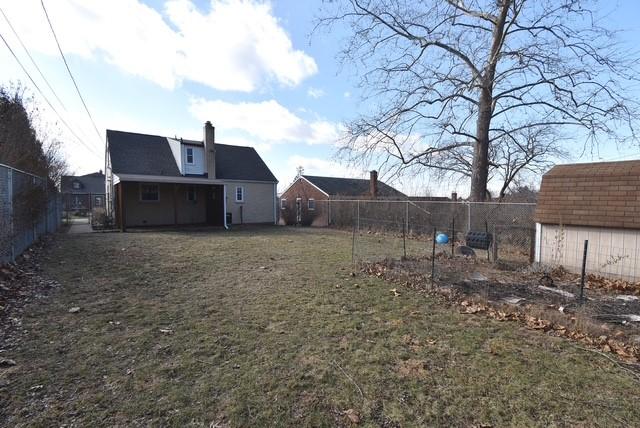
point(307, 200)
point(153, 180)
point(83, 193)
point(598, 202)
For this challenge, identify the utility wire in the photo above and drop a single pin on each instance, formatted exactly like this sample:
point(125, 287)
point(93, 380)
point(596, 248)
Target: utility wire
point(32, 60)
point(69, 70)
point(46, 99)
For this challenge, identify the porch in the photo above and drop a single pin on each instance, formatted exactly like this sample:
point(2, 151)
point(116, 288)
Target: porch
point(168, 204)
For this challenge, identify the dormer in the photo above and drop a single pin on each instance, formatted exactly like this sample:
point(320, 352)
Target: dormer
point(189, 156)
point(196, 157)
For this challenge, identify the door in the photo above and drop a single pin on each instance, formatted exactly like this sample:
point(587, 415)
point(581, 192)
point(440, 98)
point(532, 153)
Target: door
point(215, 205)
point(298, 211)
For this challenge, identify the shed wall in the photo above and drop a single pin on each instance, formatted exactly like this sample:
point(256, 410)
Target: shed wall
point(611, 252)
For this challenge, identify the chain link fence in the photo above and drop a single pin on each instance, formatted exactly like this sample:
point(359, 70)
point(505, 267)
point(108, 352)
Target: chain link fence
point(28, 210)
point(394, 229)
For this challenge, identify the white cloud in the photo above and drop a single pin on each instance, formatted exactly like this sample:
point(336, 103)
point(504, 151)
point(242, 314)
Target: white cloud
point(314, 166)
point(315, 92)
point(268, 121)
point(234, 45)
point(317, 166)
point(347, 94)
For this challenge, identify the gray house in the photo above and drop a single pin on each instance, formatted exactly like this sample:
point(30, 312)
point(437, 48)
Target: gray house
point(153, 180)
point(83, 193)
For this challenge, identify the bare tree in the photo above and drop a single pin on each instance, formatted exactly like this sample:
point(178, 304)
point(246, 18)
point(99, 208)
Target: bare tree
point(466, 79)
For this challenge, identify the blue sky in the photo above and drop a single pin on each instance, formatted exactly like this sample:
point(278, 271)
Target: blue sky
point(164, 67)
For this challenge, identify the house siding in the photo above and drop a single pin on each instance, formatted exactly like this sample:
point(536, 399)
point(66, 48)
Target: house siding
point(258, 205)
point(158, 213)
point(613, 252)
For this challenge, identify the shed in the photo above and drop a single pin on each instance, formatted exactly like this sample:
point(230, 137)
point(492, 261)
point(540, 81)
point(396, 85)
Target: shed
point(598, 202)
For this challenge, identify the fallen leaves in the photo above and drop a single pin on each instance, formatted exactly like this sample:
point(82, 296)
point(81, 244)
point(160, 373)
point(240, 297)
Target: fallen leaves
point(412, 368)
point(610, 284)
point(352, 415)
point(626, 351)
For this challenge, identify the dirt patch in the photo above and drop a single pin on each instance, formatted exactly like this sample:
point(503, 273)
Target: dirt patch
point(413, 368)
point(546, 301)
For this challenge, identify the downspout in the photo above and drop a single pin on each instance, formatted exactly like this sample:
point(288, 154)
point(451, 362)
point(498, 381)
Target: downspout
point(224, 198)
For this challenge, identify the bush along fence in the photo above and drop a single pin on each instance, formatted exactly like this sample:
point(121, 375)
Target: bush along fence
point(28, 210)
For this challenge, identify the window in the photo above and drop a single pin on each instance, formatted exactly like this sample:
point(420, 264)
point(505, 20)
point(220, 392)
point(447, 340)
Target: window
point(311, 204)
point(149, 192)
point(283, 203)
point(76, 185)
point(239, 194)
point(98, 201)
point(190, 155)
point(191, 193)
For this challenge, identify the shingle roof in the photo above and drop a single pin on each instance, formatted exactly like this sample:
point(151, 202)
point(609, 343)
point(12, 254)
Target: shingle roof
point(604, 194)
point(89, 183)
point(144, 154)
point(351, 187)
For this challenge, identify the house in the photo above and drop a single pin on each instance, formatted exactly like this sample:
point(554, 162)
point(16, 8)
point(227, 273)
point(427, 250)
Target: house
point(598, 202)
point(153, 180)
point(307, 200)
point(83, 193)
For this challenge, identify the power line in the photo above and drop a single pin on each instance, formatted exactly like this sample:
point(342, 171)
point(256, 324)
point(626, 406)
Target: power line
point(46, 99)
point(69, 70)
point(32, 60)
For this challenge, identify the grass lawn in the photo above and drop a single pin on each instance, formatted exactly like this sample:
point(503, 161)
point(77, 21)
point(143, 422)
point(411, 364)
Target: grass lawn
point(265, 327)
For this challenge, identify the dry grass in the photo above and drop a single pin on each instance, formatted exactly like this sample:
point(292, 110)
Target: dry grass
point(266, 327)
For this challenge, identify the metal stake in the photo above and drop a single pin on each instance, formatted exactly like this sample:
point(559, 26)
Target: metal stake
point(453, 234)
point(584, 267)
point(404, 240)
point(433, 255)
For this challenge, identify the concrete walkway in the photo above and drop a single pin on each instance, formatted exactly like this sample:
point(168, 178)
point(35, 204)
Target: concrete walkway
point(80, 228)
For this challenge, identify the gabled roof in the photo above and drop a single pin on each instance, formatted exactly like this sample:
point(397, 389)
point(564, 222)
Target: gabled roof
point(603, 194)
point(89, 183)
point(351, 187)
point(143, 154)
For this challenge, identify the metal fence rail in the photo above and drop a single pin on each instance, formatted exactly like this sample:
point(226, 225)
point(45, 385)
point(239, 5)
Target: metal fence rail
point(23, 221)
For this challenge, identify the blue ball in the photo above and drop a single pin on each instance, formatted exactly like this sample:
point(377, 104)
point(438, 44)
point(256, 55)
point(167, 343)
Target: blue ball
point(442, 238)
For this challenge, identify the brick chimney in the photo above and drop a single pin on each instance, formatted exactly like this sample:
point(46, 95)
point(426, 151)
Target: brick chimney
point(210, 149)
point(454, 196)
point(373, 183)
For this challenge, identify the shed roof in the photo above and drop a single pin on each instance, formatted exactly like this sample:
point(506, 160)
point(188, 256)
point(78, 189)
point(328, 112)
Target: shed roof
point(351, 187)
point(144, 154)
point(603, 194)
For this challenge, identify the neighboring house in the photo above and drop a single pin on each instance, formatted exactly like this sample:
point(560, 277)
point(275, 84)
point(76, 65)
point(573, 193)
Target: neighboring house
point(154, 180)
point(83, 193)
point(598, 202)
point(307, 200)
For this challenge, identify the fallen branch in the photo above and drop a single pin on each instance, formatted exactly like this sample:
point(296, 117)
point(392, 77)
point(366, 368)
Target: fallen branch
point(635, 374)
point(348, 377)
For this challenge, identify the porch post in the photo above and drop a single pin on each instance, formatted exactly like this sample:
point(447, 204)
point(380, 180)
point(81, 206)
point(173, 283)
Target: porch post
point(224, 210)
point(121, 205)
point(175, 204)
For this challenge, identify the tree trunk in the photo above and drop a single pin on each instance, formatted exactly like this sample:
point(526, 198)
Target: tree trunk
point(480, 166)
